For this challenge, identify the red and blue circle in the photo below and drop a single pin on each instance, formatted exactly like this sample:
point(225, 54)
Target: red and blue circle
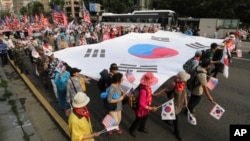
point(168, 109)
point(150, 51)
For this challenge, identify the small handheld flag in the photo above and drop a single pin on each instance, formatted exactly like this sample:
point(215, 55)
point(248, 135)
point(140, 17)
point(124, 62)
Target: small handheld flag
point(190, 118)
point(168, 110)
point(217, 111)
point(130, 76)
point(212, 83)
point(60, 67)
point(108, 121)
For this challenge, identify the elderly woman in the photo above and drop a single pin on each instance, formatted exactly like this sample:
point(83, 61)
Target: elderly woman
point(80, 127)
point(176, 88)
point(145, 99)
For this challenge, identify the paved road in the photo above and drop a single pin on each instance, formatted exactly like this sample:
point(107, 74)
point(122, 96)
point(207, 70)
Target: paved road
point(231, 93)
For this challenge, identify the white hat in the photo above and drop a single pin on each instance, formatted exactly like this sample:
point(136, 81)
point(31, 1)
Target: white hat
point(183, 76)
point(80, 100)
point(232, 36)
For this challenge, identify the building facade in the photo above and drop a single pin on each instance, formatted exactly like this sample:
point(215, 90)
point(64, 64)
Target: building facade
point(45, 4)
point(72, 8)
point(6, 5)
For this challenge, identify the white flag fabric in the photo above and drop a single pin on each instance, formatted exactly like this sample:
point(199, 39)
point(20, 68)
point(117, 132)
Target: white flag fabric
point(225, 61)
point(168, 111)
point(162, 53)
point(217, 111)
point(239, 53)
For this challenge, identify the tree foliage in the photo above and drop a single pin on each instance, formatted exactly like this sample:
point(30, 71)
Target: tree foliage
point(37, 8)
point(24, 10)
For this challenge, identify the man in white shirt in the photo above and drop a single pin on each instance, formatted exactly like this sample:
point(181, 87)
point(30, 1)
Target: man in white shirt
point(10, 45)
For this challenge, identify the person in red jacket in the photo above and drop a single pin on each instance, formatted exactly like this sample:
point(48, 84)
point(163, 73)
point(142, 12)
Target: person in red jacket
point(144, 104)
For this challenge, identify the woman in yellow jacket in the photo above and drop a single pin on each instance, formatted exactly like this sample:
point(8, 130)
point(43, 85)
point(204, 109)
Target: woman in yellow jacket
point(80, 127)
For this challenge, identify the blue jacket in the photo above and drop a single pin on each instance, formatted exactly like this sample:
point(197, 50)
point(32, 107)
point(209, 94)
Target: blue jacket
point(61, 82)
point(3, 48)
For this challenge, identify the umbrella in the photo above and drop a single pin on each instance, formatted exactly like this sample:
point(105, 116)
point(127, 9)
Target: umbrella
point(37, 34)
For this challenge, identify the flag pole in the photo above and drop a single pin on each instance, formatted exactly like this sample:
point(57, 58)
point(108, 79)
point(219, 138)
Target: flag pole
point(164, 103)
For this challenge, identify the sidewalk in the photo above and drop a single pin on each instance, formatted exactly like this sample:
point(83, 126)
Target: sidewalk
point(14, 122)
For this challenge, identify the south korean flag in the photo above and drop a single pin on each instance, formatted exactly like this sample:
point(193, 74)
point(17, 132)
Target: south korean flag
point(168, 111)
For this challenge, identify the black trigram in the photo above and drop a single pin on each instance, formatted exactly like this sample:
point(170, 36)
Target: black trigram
point(163, 39)
point(197, 45)
point(138, 68)
point(95, 53)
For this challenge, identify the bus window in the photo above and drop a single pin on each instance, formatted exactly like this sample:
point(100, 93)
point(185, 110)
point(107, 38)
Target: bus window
point(234, 23)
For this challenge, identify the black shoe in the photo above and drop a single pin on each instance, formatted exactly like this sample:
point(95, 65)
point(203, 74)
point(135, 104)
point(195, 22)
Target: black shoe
point(132, 133)
point(143, 130)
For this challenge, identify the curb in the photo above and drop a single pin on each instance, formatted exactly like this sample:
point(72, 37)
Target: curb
point(59, 120)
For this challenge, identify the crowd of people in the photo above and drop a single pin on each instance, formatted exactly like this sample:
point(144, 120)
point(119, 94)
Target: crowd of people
point(70, 89)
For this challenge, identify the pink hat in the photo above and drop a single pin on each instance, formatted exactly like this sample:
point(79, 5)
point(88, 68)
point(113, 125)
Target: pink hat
point(149, 79)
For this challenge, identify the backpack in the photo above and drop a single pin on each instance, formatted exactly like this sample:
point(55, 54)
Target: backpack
point(205, 54)
point(188, 65)
point(193, 82)
point(134, 98)
point(104, 81)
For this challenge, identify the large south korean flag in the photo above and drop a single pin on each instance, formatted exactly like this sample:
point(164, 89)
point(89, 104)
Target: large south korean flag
point(162, 53)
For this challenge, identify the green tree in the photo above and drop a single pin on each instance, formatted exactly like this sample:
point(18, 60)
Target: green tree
point(37, 8)
point(4, 13)
point(24, 10)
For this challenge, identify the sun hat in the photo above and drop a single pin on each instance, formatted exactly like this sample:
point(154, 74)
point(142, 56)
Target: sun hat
point(232, 36)
point(80, 100)
point(113, 66)
point(149, 79)
point(183, 76)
